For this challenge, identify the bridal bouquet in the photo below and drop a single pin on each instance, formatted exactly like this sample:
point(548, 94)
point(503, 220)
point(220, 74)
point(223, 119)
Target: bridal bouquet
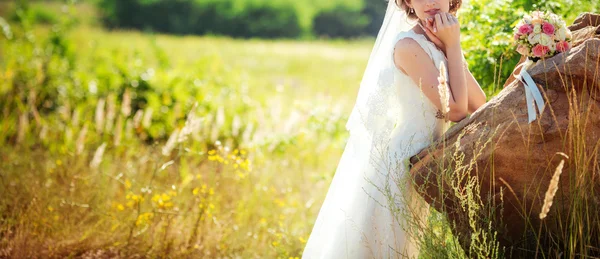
point(540, 35)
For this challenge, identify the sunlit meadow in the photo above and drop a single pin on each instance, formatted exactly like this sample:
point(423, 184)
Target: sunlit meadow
point(149, 145)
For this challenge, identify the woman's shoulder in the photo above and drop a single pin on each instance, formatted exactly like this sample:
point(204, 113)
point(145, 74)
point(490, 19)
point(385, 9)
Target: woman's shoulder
point(411, 50)
point(411, 35)
point(409, 42)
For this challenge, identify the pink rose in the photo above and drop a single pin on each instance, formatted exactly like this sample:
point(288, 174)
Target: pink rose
point(525, 29)
point(562, 46)
point(540, 50)
point(548, 28)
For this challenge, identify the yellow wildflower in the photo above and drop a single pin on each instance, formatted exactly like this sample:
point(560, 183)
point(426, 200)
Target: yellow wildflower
point(143, 218)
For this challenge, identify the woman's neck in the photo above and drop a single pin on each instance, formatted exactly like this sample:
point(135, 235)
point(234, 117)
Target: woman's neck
point(420, 29)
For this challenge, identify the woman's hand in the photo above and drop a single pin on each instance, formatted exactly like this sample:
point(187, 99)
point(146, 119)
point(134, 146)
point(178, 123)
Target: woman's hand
point(429, 28)
point(443, 30)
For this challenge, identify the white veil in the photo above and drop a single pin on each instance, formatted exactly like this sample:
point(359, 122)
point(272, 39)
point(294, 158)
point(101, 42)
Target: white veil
point(355, 220)
point(365, 111)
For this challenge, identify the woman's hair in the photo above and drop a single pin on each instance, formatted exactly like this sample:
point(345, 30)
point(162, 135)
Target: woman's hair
point(402, 4)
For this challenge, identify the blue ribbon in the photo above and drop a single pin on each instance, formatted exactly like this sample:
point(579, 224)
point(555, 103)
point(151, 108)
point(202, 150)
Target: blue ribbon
point(532, 93)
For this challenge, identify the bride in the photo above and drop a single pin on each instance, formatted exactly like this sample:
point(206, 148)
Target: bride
point(401, 108)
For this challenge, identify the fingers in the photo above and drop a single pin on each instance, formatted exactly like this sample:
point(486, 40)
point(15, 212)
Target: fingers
point(445, 18)
point(452, 19)
point(438, 22)
point(430, 22)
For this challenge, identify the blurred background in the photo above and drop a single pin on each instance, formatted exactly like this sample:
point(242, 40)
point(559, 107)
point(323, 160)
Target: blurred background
point(192, 128)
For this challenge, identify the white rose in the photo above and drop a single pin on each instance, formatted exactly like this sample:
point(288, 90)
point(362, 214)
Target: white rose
point(533, 38)
point(560, 23)
point(545, 39)
point(554, 19)
point(537, 28)
point(561, 33)
point(553, 46)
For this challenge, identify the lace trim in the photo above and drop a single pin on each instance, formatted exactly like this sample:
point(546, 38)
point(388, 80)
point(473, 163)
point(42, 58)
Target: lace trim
point(442, 116)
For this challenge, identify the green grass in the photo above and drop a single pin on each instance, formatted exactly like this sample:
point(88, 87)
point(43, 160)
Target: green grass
point(284, 103)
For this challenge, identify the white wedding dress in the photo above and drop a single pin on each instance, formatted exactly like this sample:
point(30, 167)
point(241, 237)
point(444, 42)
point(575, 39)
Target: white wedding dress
point(362, 215)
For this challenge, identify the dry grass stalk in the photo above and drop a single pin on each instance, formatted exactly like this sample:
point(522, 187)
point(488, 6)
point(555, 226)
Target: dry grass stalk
point(118, 131)
point(137, 119)
point(166, 150)
point(43, 132)
point(81, 140)
point(236, 125)
point(111, 113)
point(247, 133)
point(100, 116)
point(23, 125)
point(147, 118)
point(98, 156)
point(75, 118)
point(126, 104)
point(549, 198)
point(129, 129)
point(192, 124)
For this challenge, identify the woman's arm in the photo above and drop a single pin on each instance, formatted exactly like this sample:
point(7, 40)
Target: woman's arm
point(477, 96)
point(458, 79)
point(410, 58)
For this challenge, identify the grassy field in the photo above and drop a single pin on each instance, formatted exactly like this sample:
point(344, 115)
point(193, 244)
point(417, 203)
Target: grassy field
point(168, 146)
